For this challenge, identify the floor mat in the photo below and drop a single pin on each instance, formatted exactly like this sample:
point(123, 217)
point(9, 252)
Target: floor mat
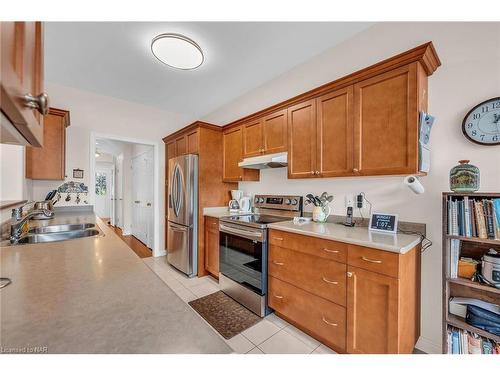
point(223, 313)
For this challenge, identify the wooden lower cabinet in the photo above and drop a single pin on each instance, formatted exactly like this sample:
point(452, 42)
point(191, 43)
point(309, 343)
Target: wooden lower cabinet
point(354, 299)
point(212, 245)
point(372, 312)
point(317, 316)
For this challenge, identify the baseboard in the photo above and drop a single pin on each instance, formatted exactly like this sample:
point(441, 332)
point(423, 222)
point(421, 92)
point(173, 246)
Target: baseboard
point(428, 346)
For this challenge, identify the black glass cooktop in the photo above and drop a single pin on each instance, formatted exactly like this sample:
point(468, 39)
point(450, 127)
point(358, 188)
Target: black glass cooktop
point(257, 219)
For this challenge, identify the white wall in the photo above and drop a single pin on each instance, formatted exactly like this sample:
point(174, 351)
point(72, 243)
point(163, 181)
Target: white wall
point(13, 185)
point(114, 118)
point(467, 76)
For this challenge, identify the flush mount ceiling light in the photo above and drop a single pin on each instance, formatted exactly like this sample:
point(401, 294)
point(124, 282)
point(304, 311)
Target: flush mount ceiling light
point(177, 51)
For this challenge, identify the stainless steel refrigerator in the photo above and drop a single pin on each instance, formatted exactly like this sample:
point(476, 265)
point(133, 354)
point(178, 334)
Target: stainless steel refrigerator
point(182, 223)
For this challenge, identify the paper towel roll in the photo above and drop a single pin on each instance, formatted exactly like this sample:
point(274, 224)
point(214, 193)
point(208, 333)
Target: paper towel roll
point(414, 184)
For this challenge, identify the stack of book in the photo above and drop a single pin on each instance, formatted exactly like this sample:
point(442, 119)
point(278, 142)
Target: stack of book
point(469, 217)
point(465, 342)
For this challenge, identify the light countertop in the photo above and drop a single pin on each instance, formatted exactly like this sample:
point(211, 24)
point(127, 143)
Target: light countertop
point(217, 212)
point(94, 295)
point(397, 243)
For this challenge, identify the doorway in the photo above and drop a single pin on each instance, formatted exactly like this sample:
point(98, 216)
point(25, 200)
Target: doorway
point(124, 188)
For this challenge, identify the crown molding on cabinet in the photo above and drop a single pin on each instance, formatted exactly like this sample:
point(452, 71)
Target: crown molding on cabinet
point(425, 54)
point(194, 125)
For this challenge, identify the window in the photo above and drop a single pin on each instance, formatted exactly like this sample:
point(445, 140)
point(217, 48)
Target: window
point(100, 183)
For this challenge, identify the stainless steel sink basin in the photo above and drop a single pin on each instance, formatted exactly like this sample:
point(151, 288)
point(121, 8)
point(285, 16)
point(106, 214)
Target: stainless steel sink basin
point(61, 228)
point(58, 236)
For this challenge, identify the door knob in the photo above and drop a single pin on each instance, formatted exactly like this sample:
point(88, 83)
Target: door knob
point(137, 201)
point(148, 204)
point(39, 102)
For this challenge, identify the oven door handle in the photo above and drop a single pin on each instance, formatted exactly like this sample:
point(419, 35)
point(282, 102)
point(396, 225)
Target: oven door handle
point(244, 233)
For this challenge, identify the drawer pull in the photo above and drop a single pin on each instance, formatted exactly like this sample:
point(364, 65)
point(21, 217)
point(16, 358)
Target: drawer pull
point(278, 263)
point(330, 251)
point(278, 297)
point(329, 281)
point(278, 238)
point(329, 323)
point(371, 260)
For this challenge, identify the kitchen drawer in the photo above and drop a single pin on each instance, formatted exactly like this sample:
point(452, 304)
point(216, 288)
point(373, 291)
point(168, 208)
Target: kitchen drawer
point(326, 249)
point(325, 278)
point(380, 261)
point(212, 223)
point(323, 319)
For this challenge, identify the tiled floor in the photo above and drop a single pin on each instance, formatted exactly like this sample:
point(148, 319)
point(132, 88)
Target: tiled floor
point(272, 335)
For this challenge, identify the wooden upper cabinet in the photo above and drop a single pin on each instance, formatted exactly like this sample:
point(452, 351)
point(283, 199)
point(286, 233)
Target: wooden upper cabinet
point(386, 123)
point(171, 150)
point(275, 128)
point(49, 162)
point(232, 145)
point(21, 64)
point(253, 138)
point(334, 132)
point(232, 150)
point(302, 140)
point(192, 142)
point(372, 312)
point(181, 145)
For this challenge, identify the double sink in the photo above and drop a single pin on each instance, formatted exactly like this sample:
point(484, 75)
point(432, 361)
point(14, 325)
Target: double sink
point(61, 232)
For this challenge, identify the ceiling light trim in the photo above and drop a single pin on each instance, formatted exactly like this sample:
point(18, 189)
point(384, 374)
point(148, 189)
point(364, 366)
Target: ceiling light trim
point(180, 37)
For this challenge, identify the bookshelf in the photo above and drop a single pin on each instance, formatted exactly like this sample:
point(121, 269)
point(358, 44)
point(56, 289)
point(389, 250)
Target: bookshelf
point(473, 247)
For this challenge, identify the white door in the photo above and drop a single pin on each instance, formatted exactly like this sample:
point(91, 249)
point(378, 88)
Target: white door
point(103, 186)
point(119, 192)
point(142, 197)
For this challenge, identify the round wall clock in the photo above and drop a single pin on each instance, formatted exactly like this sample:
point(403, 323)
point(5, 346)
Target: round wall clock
point(482, 124)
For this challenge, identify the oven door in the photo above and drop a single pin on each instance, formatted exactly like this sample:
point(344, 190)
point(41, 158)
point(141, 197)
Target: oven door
point(242, 256)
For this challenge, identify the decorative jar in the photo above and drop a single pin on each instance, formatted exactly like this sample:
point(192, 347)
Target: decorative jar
point(464, 177)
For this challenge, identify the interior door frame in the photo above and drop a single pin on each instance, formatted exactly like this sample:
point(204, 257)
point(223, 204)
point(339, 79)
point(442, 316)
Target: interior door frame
point(157, 250)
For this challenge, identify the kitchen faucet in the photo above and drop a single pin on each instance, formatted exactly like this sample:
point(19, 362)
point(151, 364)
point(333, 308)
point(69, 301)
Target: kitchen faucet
point(18, 221)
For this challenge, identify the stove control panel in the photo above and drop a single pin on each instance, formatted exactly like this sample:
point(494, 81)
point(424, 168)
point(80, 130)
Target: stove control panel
point(280, 202)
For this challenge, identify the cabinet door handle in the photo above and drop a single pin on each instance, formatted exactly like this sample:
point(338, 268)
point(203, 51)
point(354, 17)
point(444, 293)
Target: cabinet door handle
point(312, 172)
point(349, 274)
point(278, 297)
point(278, 263)
point(371, 260)
point(330, 251)
point(278, 238)
point(317, 172)
point(38, 102)
point(329, 281)
point(329, 323)
point(355, 170)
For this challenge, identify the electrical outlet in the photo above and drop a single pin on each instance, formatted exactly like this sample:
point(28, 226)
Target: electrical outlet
point(359, 200)
point(349, 200)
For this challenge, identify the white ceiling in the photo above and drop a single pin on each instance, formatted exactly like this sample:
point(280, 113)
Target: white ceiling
point(114, 58)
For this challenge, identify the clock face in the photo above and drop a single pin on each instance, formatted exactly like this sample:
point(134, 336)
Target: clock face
point(482, 123)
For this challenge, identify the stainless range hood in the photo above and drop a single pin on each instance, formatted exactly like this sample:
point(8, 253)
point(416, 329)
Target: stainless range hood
point(277, 160)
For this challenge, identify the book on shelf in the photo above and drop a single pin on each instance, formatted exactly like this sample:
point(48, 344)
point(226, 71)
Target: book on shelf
point(460, 341)
point(454, 255)
point(474, 217)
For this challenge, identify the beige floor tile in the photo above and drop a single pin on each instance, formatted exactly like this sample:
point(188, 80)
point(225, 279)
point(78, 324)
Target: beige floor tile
point(261, 331)
point(322, 349)
point(284, 343)
point(276, 320)
point(186, 295)
point(194, 281)
point(302, 336)
point(255, 351)
point(240, 344)
point(204, 289)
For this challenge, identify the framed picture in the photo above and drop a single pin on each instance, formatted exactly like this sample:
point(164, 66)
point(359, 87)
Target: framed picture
point(77, 173)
